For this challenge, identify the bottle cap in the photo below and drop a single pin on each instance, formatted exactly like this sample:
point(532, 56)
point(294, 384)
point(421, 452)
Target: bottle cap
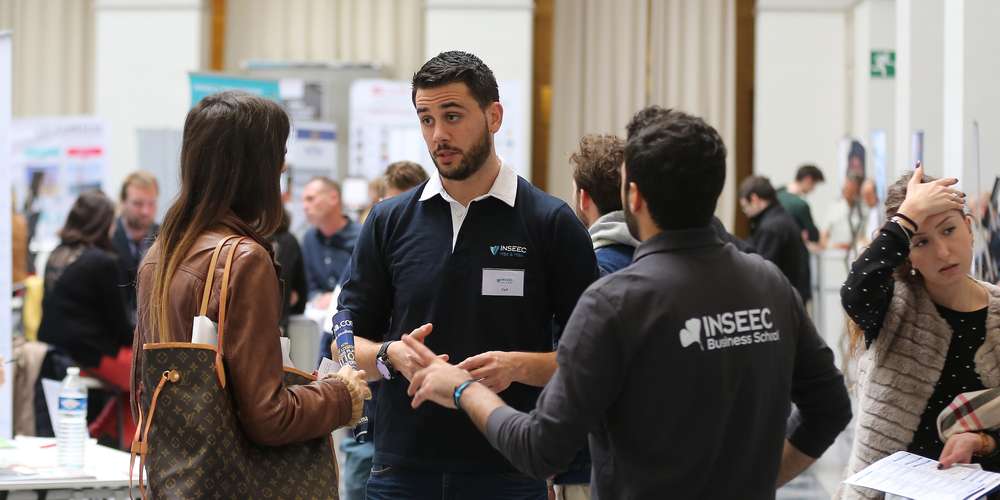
point(73, 370)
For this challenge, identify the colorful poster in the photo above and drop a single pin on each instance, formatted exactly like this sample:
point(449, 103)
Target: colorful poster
point(54, 160)
point(6, 327)
point(205, 84)
point(385, 129)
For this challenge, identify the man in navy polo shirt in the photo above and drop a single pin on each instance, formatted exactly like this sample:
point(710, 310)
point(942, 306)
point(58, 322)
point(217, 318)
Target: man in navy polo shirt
point(494, 263)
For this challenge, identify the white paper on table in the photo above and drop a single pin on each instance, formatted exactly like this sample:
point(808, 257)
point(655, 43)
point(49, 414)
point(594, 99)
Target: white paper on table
point(919, 478)
point(52, 388)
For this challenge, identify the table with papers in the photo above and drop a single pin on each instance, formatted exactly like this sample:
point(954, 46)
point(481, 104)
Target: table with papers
point(916, 477)
point(28, 467)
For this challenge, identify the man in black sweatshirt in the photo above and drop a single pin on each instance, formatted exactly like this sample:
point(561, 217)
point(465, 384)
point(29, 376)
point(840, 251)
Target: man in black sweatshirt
point(681, 367)
point(774, 234)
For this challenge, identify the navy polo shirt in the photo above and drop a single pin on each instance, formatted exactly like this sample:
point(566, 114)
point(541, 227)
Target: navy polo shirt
point(326, 257)
point(405, 272)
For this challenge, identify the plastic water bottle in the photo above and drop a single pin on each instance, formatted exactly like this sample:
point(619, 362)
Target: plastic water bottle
point(71, 433)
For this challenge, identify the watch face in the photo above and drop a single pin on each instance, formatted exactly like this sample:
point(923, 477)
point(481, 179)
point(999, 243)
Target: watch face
point(383, 370)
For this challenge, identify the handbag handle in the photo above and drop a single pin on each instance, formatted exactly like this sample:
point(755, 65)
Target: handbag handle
point(223, 296)
point(207, 292)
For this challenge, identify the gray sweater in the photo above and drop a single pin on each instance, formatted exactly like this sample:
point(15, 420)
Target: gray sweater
point(681, 368)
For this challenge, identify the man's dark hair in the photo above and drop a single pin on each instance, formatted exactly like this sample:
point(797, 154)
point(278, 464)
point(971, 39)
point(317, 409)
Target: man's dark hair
point(758, 185)
point(457, 66)
point(809, 172)
point(596, 165)
point(678, 163)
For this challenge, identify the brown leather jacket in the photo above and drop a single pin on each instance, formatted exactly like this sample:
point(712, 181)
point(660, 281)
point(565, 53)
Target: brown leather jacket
point(271, 413)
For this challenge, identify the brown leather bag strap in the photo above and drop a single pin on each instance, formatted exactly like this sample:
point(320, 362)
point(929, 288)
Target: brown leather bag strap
point(141, 445)
point(223, 296)
point(207, 292)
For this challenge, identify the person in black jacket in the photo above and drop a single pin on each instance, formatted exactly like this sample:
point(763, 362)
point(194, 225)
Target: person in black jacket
point(135, 229)
point(288, 254)
point(774, 234)
point(84, 305)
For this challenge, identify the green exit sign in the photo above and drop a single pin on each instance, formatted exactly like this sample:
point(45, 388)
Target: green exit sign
point(883, 64)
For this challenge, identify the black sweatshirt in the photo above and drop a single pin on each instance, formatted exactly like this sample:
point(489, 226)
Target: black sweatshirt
point(681, 367)
point(405, 273)
point(84, 312)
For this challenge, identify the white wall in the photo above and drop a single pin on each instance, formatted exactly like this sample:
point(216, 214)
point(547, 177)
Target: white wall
point(144, 51)
point(500, 32)
point(919, 82)
point(979, 90)
point(800, 108)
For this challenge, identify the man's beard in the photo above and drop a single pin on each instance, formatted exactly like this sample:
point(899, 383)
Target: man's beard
point(135, 223)
point(472, 161)
point(630, 221)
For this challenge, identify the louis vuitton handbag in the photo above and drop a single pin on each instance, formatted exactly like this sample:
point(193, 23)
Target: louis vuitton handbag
point(189, 437)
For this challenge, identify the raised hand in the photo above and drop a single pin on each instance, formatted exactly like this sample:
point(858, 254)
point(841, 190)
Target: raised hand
point(436, 382)
point(924, 199)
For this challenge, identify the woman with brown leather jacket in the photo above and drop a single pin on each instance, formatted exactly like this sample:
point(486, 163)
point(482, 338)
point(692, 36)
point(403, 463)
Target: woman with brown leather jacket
point(231, 159)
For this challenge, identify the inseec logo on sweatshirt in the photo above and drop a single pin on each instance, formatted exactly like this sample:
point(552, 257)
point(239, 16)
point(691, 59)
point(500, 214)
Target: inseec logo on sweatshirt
point(730, 329)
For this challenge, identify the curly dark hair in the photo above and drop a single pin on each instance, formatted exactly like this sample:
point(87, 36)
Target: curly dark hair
point(678, 163)
point(596, 169)
point(457, 66)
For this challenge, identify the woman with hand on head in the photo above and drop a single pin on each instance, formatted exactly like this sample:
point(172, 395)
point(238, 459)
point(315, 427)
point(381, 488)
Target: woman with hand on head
point(930, 331)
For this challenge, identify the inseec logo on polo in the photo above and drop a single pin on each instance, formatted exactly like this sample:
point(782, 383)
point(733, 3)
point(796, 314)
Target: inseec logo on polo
point(730, 329)
point(508, 250)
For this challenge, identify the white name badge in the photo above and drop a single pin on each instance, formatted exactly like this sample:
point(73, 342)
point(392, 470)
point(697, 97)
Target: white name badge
point(503, 282)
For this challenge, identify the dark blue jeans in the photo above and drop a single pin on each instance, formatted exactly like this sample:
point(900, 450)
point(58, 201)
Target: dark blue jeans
point(392, 483)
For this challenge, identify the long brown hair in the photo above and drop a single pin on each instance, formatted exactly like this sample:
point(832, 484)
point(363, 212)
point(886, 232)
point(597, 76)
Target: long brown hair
point(231, 157)
point(89, 221)
point(893, 200)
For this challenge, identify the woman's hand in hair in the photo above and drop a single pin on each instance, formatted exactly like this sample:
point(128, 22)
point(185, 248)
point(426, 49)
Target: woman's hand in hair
point(924, 199)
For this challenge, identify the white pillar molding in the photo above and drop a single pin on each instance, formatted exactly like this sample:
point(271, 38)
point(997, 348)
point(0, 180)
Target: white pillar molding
point(954, 88)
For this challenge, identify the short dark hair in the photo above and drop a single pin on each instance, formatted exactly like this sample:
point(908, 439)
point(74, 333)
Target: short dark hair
point(809, 171)
point(404, 175)
point(596, 165)
point(678, 163)
point(89, 221)
point(758, 185)
point(457, 66)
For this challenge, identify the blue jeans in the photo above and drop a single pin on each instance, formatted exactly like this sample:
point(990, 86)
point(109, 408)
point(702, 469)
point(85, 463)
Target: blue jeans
point(357, 466)
point(392, 483)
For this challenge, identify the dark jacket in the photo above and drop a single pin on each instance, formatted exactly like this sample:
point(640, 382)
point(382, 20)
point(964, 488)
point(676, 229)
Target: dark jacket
point(270, 412)
point(776, 236)
point(682, 367)
point(613, 243)
point(327, 257)
point(291, 274)
point(128, 262)
point(83, 309)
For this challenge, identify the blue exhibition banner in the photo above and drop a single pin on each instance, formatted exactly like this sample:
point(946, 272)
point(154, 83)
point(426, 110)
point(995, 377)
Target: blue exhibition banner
point(207, 84)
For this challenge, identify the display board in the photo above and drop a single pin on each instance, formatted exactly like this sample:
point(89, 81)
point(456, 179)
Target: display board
point(384, 128)
point(54, 160)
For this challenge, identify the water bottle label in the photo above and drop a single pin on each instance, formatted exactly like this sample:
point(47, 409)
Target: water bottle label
point(72, 404)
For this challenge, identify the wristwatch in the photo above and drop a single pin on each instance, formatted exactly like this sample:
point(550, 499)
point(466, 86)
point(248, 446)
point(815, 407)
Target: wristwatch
point(383, 364)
